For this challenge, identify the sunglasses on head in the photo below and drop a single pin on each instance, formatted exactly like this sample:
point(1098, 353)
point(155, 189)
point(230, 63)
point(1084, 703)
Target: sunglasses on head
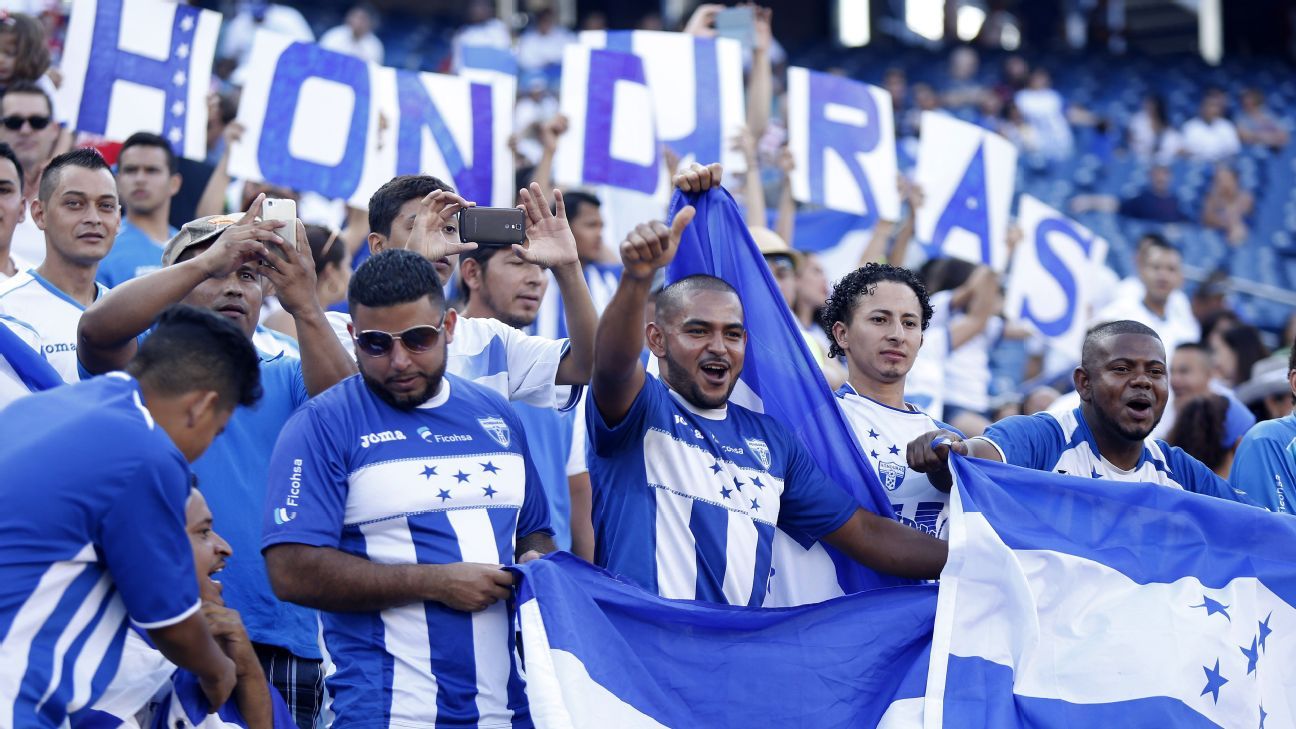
point(416, 340)
point(16, 122)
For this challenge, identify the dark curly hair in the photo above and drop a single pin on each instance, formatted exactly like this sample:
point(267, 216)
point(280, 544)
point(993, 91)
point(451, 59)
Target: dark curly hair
point(845, 296)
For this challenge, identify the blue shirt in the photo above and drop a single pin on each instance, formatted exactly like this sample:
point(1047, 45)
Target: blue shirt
point(1065, 444)
point(551, 431)
point(1265, 464)
point(232, 475)
point(133, 254)
point(449, 481)
point(686, 500)
point(92, 533)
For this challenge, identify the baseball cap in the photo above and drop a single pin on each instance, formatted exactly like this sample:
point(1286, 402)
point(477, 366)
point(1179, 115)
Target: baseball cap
point(771, 244)
point(196, 232)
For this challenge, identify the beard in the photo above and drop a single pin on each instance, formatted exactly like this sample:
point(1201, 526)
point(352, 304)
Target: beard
point(502, 314)
point(411, 400)
point(676, 374)
point(1134, 434)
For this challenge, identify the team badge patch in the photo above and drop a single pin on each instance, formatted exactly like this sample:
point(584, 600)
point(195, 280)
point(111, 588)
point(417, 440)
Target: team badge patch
point(496, 428)
point(892, 473)
point(760, 450)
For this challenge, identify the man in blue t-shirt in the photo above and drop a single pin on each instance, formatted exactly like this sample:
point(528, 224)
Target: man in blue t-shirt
point(96, 479)
point(688, 486)
point(396, 498)
point(223, 263)
point(1264, 465)
point(147, 179)
point(1123, 385)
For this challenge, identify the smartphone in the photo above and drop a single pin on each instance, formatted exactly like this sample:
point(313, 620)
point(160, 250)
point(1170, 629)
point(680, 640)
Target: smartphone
point(492, 226)
point(278, 208)
point(737, 23)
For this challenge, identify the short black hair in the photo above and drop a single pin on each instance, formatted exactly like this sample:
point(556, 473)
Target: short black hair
point(386, 202)
point(845, 296)
point(1097, 334)
point(87, 157)
point(7, 153)
point(149, 139)
point(29, 87)
point(574, 200)
point(327, 246)
point(393, 277)
point(482, 256)
point(670, 300)
point(197, 349)
point(1194, 347)
point(1148, 241)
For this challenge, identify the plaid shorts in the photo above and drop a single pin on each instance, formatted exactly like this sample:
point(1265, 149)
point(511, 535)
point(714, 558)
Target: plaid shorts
point(299, 680)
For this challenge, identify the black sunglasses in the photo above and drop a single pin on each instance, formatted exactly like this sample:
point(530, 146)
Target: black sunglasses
point(416, 340)
point(15, 122)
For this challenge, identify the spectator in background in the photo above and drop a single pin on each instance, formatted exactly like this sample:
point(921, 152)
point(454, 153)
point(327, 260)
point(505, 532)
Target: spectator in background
point(1014, 128)
point(963, 90)
point(594, 20)
point(221, 112)
point(1227, 206)
point(1157, 201)
point(535, 107)
point(147, 179)
point(1267, 393)
point(1151, 136)
point(332, 274)
point(254, 15)
point(1257, 125)
point(1209, 137)
point(967, 301)
point(1012, 78)
point(355, 37)
point(13, 209)
point(897, 85)
point(1157, 300)
point(1235, 351)
point(540, 47)
point(1192, 376)
point(29, 128)
point(1208, 428)
point(1265, 464)
point(24, 54)
point(1046, 112)
point(481, 29)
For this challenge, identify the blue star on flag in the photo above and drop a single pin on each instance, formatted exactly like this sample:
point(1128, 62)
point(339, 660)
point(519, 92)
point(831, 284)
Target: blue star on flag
point(1213, 606)
point(489, 492)
point(757, 482)
point(755, 506)
point(872, 433)
point(1265, 630)
point(725, 491)
point(1093, 473)
point(429, 471)
point(894, 450)
point(716, 467)
point(490, 467)
point(443, 495)
point(738, 483)
point(1214, 681)
point(1252, 654)
point(461, 476)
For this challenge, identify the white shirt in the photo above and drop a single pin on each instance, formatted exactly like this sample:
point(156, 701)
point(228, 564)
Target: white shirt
point(495, 355)
point(1177, 327)
point(1210, 142)
point(535, 50)
point(52, 313)
point(1045, 111)
point(491, 34)
point(28, 242)
point(342, 40)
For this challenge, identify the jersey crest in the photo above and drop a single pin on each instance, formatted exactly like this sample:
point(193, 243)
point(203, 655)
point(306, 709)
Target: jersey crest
point(892, 473)
point(496, 428)
point(759, 449)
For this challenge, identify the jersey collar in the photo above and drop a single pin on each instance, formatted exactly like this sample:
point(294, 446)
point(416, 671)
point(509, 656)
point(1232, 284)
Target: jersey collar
point(1083, 433)
point(439, 398)
point(710, 414)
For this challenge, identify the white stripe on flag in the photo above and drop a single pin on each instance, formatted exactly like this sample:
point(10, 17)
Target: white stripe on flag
point(676, 552)
point(740, 557)
point(490, 627)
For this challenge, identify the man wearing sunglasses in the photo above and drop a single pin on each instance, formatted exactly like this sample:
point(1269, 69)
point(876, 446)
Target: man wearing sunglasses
point(27, 124)
point(224, 263)
point(396, 499)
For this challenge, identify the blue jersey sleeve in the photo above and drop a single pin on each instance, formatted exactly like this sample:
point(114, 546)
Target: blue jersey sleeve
point(1265, 470)
point(145, 545)
point(289, 371)
point(307, 492)
point(1194, 476)
point(1030, 441)
point(630, 431)
point(812, 505)
point(534, 516)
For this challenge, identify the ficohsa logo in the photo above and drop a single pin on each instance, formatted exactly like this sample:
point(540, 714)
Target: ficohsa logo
point(283, 516)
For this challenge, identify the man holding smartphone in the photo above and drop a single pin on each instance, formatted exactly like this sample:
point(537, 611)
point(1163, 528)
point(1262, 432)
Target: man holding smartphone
point(223, 263)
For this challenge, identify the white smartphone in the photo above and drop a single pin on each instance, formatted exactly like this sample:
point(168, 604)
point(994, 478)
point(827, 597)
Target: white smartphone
point(278, 208)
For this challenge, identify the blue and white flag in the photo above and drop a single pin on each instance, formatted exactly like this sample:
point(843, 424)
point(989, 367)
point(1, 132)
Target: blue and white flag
point(842, 134)
point(139, 65)
point(1076, 602)
point(967, 175)
point(600, 652)
point(781, 378)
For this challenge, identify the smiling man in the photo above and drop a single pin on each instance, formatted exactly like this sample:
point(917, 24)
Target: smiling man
point(1123, 385)
point(77, 209)
point(688, 486)
point(146, 180)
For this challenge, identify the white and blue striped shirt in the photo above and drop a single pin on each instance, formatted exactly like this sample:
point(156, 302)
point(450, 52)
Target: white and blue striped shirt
point(449, 481)
point(92, 533)
point(54, 315)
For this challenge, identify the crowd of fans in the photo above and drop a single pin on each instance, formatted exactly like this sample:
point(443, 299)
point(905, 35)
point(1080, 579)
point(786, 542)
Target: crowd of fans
point(560, 378)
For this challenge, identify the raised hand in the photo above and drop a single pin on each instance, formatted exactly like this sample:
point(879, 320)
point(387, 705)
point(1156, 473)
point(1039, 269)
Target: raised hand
point(550, 242)
point(699, 178)
point(292, 271)
point(551, 130)
point(702, 22)
point(651, 246)
point(240, 242)
point(436, 229)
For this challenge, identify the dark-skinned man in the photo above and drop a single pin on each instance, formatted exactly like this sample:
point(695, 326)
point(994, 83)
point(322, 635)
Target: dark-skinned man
point(396, 498)
point(689, 487)
point(1123, 384)
point(223, 263)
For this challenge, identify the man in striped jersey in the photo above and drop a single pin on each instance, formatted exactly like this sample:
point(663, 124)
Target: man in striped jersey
point(96, 479)
point(395, 500)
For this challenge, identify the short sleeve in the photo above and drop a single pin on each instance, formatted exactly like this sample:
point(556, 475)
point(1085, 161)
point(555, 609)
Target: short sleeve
point(607, 440)
point(534, 516)
point(1262, 468)
point(812, 505)
point(338, 322)
point(1194, 476)
point(532, 367)
point(576, 463)
point(141, 536)
point(307, 491)
point(1029, 441)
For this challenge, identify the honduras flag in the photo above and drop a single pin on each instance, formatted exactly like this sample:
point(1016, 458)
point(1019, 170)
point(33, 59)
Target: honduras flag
point(780, 378)
point(20, 361)
point(601, 652)
point(1075, 602)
